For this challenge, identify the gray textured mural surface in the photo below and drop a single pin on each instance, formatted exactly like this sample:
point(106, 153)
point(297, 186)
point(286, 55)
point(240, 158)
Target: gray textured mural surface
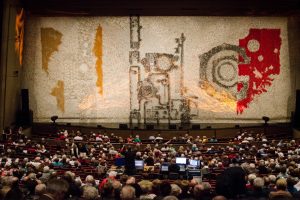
point(158, 69)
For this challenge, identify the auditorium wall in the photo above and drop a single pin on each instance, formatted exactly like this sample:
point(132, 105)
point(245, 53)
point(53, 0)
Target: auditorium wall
point(294, 51)
point(158, 69)
point(10, 68)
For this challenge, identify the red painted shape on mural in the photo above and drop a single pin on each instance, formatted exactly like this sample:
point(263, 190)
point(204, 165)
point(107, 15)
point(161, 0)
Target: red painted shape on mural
point(262, 46)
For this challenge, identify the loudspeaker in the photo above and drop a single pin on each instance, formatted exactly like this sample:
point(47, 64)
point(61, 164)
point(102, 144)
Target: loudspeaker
point(123, 126)
point(297, 110)
point(25, 100)
point(149, 126)
point(196, 127)
point(24, 118)
point(172, 126)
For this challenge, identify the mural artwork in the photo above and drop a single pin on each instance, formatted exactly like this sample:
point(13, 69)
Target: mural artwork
point(98, 53)
point(151, 77)
point(19, 43)
point(59, 93)
point(50, 39)
point(242, 72)
point(229, 73)
point(156, 70)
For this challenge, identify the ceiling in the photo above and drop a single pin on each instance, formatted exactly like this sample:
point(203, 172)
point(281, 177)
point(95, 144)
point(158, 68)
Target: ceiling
point(162, 7)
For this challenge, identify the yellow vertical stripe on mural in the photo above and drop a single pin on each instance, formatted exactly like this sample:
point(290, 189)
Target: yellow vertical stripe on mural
point(58, 92)
point(98, 53)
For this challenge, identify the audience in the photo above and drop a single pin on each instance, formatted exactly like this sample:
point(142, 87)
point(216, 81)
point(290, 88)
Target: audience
point(82, 167)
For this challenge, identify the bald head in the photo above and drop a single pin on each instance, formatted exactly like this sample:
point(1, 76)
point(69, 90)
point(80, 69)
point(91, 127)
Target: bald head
point(40, 189)
point(219, 198)
point(130, 180)
point(198, 190)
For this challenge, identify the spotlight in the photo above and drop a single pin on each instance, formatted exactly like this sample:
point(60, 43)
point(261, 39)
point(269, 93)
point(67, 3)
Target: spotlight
point(54, 118)
point(266, 119)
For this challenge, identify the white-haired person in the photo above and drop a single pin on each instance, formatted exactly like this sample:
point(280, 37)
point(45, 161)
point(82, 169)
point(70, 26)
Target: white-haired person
point(258, 190)
point(90, 193)
point(175, 190)
point(90, 181)
point(128, 193)
point(111, 177)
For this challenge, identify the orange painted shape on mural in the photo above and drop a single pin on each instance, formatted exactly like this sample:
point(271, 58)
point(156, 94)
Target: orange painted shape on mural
point(98, 53)
point(50, 39)
point(58, 92)
point(19, 42)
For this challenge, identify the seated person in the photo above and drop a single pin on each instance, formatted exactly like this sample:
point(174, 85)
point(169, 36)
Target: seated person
point(137, 139)
point(173, 167)
point(130, 139)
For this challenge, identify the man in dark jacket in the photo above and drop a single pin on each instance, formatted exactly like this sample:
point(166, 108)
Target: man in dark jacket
point(129, 162)
point(231, 183)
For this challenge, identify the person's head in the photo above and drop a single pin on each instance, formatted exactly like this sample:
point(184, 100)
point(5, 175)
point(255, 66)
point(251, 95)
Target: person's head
point(251, 178)
point(117, 185)
point(130, 180)
point(58, 188)
point(138, 154)
point(78, 181)
point(198, 191)
point(123, 178)
point(89, 180)
point(272, 178)
point(165, 188)
point(90, 193)
point(252, 167)
point(32, 176)
point(127, 193)
point(175, 190)
point(30, 184)
point(291, 182)
point(69, 176)
point(258, 183)
point(266, 180)
point(146, 186)
point(219, 197)
point(156, 186)
point(40, 189)
point(170, 198)
point(206, 186)
point(194, 182)
point(112, 174)
point(107, 190)
point(46, 169)
point(281, 184)
point(6, 181)
point(185, 185)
